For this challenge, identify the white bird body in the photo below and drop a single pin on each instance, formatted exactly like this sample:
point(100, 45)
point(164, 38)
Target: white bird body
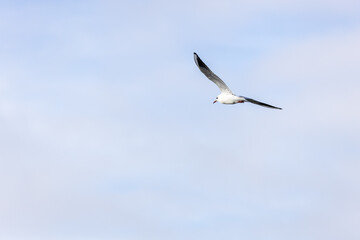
point(226, 96)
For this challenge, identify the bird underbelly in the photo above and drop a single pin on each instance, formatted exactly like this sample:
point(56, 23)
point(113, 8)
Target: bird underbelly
point(227, 100)
point(228, 103)
point(230, 99)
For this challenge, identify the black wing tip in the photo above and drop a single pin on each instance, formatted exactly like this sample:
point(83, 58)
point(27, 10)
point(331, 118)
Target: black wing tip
point(199, 61)
point(275, 107)
point(270, 106)
point(261, 103)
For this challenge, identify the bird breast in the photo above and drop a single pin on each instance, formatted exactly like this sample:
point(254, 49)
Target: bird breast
point(229, 99)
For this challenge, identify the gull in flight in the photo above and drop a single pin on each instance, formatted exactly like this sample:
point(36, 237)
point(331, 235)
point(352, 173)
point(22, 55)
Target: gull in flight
point(226, 96)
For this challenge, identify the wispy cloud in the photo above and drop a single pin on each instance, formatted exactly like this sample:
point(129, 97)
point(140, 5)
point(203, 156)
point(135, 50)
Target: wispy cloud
point(108, 130)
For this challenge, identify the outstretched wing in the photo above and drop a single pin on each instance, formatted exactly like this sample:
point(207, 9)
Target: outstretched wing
point(210, 75)
point(260, 103)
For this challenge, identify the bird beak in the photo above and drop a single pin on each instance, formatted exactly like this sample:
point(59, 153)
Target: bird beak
point(215, 101)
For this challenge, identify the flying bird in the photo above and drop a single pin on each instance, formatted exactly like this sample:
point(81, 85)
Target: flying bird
point(226, 96)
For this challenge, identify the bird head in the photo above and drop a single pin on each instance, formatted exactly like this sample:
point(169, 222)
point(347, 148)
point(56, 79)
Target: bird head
point(215, 100)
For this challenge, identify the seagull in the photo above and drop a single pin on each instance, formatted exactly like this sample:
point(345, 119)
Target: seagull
point(226, 96)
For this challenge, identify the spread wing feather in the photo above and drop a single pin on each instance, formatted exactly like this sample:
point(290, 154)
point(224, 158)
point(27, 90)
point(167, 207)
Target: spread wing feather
point(210, 75)
point(260, 103)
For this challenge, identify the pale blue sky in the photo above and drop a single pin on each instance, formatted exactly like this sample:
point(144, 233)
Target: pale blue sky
point(108, 130)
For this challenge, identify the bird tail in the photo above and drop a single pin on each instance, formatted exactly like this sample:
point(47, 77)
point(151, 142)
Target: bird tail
point(260, 103)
